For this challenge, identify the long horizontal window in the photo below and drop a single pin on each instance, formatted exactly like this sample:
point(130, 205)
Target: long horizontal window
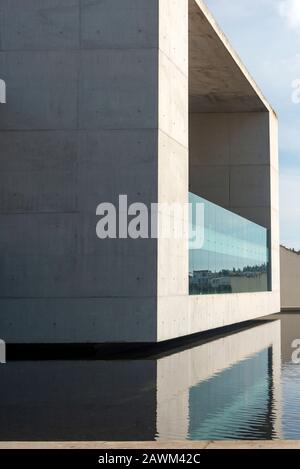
point(227, 253)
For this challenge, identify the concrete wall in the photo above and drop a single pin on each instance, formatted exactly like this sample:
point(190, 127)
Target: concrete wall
point(172, 281)
point(230, 162)
point(289, 278)
point(79, 128)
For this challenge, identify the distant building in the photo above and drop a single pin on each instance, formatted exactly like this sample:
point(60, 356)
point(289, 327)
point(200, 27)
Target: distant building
point(290, 279)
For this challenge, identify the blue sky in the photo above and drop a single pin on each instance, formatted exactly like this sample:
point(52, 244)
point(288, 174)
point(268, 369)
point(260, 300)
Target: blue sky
point(266, 34)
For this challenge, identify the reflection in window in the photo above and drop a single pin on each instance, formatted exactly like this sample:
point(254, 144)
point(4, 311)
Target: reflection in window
point(233, 256)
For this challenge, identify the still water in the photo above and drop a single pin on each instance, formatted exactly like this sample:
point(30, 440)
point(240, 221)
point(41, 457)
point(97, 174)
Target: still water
point(238, 385)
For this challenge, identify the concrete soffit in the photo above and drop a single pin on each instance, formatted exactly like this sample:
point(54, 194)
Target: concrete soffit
point(218, 80)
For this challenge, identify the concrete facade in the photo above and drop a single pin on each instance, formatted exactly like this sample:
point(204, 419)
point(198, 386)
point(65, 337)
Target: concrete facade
point(289, 278)
point(116, 97)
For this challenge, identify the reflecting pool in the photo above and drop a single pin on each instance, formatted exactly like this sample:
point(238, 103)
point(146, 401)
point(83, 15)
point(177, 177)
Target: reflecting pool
point(238, 384)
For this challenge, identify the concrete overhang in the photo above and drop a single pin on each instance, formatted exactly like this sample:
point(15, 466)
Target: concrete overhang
point(218, 80)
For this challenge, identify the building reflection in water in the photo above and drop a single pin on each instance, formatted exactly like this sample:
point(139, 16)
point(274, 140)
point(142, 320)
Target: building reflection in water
point(228, 387)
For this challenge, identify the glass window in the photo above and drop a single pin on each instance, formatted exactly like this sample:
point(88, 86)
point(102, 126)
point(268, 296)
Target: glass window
point(234, 256)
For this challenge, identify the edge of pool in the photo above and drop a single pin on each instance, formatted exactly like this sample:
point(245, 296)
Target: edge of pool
point(236, 444)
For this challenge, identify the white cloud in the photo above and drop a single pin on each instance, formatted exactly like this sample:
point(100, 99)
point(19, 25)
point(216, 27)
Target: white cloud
point(290, 10)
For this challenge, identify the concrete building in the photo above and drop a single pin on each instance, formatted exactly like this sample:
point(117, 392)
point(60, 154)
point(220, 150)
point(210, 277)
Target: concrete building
point(289, 278)
point(144, 98)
